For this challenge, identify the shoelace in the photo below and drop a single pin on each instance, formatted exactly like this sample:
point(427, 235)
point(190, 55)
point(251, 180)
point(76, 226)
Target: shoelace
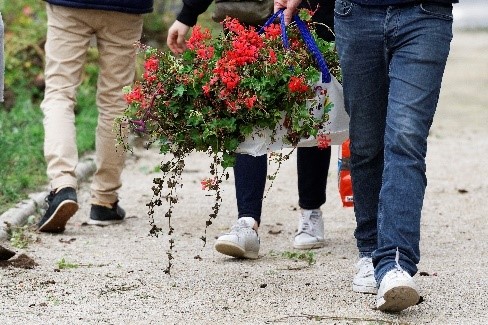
point(398, 267)
point(363, 262)
point(308, 223)
point(241, 224)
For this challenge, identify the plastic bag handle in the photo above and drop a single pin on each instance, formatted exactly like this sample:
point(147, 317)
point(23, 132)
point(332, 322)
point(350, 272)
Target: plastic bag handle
point(307, 38)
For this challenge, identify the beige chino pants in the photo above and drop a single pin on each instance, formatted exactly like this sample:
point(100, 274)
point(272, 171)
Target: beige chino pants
point(68, 38)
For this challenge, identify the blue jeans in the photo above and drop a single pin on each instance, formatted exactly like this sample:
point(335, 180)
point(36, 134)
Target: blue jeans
point(250, 180)
point(393, 60)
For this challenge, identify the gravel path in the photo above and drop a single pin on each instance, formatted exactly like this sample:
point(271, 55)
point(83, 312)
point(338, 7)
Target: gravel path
point(119, 275)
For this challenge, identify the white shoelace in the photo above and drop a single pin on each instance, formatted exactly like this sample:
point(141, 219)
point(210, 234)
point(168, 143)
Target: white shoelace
point(362, 265)
point(240, 225)
point(308, 224)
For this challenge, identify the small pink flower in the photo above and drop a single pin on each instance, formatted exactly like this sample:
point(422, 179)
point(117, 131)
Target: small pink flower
point(151, 64)
point(206, 89)
point(250, 101)
point(323, 141)
point(272, 57)
point(209, 183)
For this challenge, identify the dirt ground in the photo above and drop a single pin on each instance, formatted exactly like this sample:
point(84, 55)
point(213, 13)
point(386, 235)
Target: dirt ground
point(115, 275)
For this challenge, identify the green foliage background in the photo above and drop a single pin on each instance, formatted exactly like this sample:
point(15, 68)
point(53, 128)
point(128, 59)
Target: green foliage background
point(22, 165)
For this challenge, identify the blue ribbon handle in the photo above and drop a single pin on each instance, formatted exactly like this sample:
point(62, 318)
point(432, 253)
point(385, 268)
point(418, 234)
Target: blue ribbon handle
point(271, 19)
point(313, 49)
point(307, 38)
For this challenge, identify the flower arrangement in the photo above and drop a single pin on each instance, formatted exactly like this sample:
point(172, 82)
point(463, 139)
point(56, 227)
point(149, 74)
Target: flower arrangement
point(218, 91)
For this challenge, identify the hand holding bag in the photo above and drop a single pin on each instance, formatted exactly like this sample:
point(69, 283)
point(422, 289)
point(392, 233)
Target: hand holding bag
point(336, 129)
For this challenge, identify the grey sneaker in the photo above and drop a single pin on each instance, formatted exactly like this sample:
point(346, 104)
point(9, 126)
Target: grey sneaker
point(397, 291)
point(242, 241)
point(310, 233)
point(364, 281)
point(61, 207)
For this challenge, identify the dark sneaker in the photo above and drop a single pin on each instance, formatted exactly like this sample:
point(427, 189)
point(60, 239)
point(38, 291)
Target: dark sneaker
point(61, 206)
point(103, 216)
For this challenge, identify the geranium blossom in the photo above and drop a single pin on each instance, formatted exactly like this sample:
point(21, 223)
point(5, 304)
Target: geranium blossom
point(323, 141)
point(208, 183)
point(298, 84)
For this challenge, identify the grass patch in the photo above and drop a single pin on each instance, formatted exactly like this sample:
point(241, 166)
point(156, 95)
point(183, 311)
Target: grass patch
point(297, 256)
point(21, 237)
point(22, 163)
point(64, 264)
point(308, 256)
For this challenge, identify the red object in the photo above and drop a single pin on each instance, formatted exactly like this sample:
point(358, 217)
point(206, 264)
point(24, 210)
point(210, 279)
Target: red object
point(345, 183)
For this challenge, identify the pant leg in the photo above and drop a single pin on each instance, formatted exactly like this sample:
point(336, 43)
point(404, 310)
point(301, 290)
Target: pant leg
point(66, 45)
point(250, 180)
point(363, 58)
point(116, 36)
point(419, 42)
point(312, 168)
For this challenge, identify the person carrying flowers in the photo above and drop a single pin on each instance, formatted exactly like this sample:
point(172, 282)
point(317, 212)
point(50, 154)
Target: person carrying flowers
point(250, 172)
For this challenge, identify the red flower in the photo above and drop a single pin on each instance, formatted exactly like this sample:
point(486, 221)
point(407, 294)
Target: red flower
point(151, 64)
point(249, 102)
point(205, 53)
point(273, 31)
point(206, 89)
point(297, 84)
point(233, 25)
point(209, 183)
point(323, 141)
point(272, 56)
point(232, 106)
point(198, 37)
point(150, 78)
point(135, 96)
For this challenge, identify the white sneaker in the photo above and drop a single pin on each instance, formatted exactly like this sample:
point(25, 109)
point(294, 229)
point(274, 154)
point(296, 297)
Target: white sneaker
point(242, 241)
point(364, 281)
point(310, 233)
point(397, 291)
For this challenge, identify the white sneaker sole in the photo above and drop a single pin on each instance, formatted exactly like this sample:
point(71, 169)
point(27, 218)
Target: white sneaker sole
point(318, 244)
point(104, 222)
point(397, 299)
point(231, 249)
point(364, 289)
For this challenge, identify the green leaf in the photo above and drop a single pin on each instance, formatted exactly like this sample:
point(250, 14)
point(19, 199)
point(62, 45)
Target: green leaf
point(179, 90)
point(228, 160)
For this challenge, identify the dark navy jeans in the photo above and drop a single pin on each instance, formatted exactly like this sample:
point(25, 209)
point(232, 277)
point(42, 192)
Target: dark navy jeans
point(250, 179)
point(393, 60)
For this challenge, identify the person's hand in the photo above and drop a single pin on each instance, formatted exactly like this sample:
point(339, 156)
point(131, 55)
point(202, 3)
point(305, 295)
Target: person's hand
point(290, 5)
point(176, 37)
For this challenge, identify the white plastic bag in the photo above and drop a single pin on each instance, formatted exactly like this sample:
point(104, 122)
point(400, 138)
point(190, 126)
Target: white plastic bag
point(262, 141)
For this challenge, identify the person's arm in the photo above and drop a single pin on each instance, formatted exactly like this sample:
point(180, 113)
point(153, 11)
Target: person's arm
point(290, 5)
point(191, 10)
point(184, 20)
